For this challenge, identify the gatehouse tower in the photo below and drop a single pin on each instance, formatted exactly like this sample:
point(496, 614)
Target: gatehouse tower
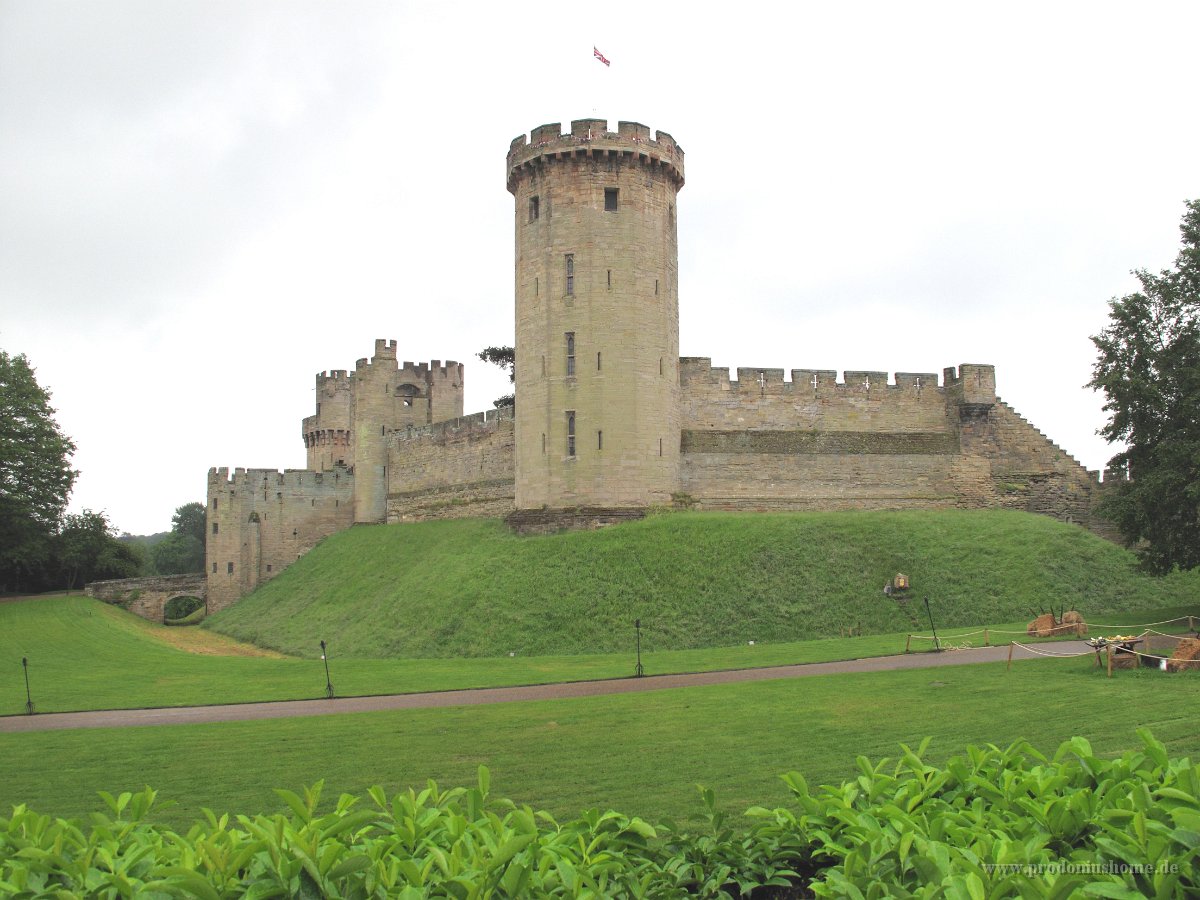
point(597, 316)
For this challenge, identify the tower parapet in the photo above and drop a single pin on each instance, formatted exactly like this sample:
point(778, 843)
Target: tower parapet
point(590, 139)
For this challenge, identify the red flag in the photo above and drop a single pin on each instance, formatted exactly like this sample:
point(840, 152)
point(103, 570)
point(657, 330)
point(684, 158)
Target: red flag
point(600, 56)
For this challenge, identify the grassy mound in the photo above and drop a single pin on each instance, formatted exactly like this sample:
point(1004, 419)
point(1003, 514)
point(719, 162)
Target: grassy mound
point(471, 588)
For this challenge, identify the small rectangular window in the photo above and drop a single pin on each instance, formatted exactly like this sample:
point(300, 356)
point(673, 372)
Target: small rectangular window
point(214, 568)
point(214, 527)
point(660, 446)
point(570, 353)
point(214, 502)
point(570, 274)
point(610, 199)
point(535, 287)
point(534, 209)
point(599, 440)
point(655, 287)
point(570, 432)
point(610, 279)
point(597, 360)
point(543, 442)
point(229, 570)
point(268, 567)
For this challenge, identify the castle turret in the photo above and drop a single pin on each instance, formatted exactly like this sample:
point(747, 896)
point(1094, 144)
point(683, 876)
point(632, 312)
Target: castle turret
point(597, 315)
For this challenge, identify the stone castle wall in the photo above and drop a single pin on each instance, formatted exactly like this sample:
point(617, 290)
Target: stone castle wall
point(456, 469)
point(260, 521)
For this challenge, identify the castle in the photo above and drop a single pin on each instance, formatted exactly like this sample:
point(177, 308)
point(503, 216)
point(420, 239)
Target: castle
point(609, 420)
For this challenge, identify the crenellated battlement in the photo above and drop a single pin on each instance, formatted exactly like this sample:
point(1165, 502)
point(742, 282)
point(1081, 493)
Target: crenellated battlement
point(258, 479)
point(590, 138)
point(487, 417)
point(698, 370)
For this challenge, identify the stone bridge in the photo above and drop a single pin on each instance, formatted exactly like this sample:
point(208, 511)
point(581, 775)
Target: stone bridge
point(146, 597)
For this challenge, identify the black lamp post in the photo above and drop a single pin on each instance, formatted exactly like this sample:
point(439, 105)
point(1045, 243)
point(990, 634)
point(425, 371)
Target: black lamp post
point(28, 699)
point(328, 683)
point(639, 671)
point(936, 646)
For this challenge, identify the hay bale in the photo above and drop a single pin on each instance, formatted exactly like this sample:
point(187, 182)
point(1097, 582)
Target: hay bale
point(1186, 656)
point(1072, 623)
point(1042, 626)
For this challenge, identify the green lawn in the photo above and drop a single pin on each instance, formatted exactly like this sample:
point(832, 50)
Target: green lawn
point(471, 588)
point(640, 753)
point(84, 654)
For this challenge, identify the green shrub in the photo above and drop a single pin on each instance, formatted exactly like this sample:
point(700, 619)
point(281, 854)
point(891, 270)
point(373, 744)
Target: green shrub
point(990, 823)
point(179, 607)
point(195, 617)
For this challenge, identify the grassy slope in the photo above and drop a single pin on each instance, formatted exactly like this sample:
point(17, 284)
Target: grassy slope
point(84, 654)
point(470, 588)
point(640, 753)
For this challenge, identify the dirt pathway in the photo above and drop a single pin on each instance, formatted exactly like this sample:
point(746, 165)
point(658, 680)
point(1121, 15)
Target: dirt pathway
point(120, 718)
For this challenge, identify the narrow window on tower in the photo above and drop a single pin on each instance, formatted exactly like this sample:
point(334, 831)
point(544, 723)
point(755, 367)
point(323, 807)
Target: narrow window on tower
point(660, 365)
point(660, 446)
point(570, 274)
point(570, 432)
point(533, 209)
point(610, 279)
point(214, 568)
point(571, 353)
point(229, 570)
point(655, 287)
point(543, 442)
point(599, 440)
point(597, 360)
point(610, 199)
point(535, 287)
point(215, 527)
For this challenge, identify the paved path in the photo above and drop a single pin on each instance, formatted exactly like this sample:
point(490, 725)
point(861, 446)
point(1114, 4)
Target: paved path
point(240, 712)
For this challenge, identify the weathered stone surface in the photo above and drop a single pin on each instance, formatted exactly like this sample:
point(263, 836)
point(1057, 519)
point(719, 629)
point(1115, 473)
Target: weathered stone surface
point(146, 597)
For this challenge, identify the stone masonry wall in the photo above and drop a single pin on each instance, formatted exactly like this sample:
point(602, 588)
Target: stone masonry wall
point(146, 597)
point(812, 442)
point(260, 521)
point(456, 469)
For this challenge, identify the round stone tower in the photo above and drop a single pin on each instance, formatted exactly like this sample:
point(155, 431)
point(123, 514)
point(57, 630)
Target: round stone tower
point(597, 316)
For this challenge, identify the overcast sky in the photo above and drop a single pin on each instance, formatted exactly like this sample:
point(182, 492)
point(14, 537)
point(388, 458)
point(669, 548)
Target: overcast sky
point(203, 204)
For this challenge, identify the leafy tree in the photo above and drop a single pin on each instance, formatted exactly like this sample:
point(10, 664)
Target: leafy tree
point(192, 519)
point(505, 358)
point(35, 473)
point(1149, 370)
point(87, 549)
point(178, 554)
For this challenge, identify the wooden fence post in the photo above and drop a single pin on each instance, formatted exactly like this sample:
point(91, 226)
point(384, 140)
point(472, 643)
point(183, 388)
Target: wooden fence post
point(986, 643)
point(907, 643)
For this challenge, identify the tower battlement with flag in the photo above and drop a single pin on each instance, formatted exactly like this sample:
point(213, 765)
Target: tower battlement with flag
point(610, 420)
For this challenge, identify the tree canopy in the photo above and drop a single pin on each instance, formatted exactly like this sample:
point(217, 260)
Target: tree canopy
point(182, 551)
point(505, 358)
point(1149, 370)
point(35, 473)
point(86, 549)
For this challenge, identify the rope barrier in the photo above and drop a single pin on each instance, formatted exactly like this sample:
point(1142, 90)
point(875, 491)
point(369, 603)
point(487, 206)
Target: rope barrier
point(1065, 629)
point(1187, 619)
point(1046, 653)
